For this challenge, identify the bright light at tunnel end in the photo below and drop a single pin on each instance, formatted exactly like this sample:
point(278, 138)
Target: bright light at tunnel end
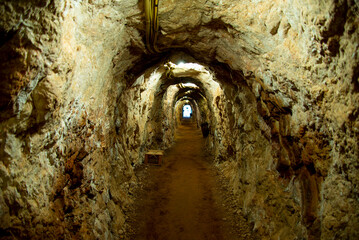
point(187, 111)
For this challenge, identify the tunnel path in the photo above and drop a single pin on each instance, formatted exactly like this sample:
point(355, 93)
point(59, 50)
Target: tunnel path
point(180, 200)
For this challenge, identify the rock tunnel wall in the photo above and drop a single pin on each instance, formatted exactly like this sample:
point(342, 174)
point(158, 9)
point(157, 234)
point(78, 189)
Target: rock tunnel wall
point(145, 118)
point(62, 169)
point(284, 126)
point(247, 157)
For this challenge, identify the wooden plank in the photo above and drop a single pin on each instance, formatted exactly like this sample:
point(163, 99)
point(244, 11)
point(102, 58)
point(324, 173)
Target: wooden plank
point(155, 152)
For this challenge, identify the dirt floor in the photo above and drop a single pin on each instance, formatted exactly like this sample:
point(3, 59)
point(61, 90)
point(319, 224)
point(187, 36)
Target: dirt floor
point(184, 199)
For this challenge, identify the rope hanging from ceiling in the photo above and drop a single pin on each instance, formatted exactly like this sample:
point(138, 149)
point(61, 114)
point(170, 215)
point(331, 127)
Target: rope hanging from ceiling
point(151, 15)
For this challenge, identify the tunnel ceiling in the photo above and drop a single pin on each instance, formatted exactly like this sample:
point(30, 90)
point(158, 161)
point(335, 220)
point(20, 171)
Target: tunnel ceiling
point(193, 94)
point(253, 40)
point(284, 39)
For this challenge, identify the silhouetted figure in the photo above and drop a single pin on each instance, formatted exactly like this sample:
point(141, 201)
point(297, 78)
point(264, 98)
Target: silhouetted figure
point(205, 129)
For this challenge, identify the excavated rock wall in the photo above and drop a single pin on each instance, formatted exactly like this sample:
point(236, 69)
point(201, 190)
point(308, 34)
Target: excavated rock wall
point(169, 116)
point(144, 117)
point(62, 174)
point(246, 158)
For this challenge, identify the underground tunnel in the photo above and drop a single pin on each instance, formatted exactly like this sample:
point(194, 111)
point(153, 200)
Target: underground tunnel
point(89, 87)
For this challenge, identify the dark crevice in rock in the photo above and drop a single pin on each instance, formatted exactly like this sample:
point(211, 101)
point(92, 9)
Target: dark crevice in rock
point(355, 78)
point(5, 36)
point(224, 71)
point(337, 20)
point(218, 24)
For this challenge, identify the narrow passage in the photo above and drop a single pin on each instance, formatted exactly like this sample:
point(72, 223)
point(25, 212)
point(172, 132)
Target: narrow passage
point(181, 199)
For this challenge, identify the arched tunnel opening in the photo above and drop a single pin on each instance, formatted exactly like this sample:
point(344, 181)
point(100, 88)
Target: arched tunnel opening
point(89, 88)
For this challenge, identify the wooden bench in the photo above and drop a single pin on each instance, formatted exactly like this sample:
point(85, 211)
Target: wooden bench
point(154, 157)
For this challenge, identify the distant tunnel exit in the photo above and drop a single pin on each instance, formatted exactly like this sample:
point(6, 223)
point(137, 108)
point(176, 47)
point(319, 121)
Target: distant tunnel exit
point(187, 111)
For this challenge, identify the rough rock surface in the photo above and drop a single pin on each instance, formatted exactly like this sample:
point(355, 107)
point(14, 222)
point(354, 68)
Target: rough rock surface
point(81, 102)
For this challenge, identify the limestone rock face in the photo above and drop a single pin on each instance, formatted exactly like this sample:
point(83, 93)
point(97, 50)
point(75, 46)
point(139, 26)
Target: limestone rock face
point(61, 170)
point(81, 101)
